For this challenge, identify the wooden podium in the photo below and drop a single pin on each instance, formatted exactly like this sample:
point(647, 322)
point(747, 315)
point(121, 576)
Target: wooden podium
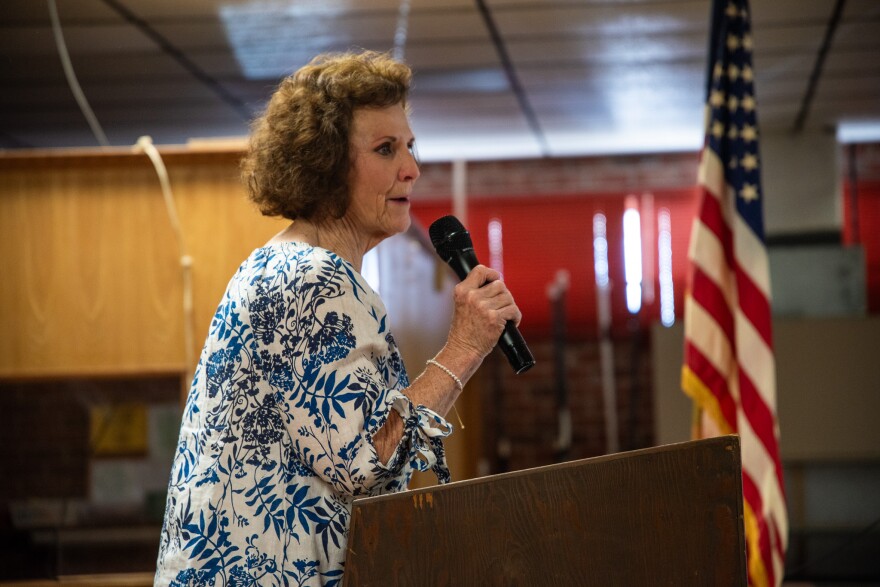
point(669, 515)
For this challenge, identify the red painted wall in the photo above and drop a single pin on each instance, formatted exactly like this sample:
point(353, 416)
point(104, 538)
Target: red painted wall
point(544, 234)
point(863, 228)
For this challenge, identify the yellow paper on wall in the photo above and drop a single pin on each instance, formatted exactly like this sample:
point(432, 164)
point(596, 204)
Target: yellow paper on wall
point(119, 430)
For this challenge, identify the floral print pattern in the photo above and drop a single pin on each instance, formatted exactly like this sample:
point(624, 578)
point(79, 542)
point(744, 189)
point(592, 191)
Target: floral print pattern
point(298, 373)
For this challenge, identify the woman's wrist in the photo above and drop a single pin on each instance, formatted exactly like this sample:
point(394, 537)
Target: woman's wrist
point(462, 360)
point(448, 371)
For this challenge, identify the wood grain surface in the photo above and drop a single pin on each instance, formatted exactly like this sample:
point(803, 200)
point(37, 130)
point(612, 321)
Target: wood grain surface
point(669, 515)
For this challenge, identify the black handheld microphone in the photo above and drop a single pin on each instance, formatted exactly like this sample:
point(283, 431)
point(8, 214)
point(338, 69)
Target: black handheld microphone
point(454, 245)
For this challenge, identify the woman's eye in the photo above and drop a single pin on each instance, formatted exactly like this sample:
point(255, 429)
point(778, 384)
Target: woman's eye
point(384, 149)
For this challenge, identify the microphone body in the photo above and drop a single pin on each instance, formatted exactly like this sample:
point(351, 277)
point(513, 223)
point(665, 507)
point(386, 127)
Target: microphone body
point(454, 245)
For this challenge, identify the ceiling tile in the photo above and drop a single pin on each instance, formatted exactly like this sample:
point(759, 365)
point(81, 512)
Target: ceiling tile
point(789, 11)
point(777, 39)
point(79, 39)
point(862, 9)
point(483, 80)
point(602, 19)
point(624, 73)
point(30, 12)
point(465, 23)
point(451, 56)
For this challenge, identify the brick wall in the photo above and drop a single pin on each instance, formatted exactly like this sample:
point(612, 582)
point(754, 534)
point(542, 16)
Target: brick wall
point(523, 408)
point(867, 156)
point(560, 176)
point(46, 467)
point(45, 439)
point(45, 442)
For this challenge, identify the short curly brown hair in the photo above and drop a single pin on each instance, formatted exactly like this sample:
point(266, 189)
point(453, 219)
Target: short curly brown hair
point(297, 161)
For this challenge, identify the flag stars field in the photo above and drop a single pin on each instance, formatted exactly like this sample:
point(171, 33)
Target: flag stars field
point(749, 192)
point(733, 42)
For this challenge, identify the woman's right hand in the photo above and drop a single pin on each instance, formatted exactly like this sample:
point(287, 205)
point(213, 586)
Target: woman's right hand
point(483, 305)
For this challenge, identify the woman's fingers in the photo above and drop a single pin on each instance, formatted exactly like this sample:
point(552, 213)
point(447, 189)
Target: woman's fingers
point(494, 295)
point(480, 275)
point(483, 305)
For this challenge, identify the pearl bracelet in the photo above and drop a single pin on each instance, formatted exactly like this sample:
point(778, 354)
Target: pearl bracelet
point(455, 378)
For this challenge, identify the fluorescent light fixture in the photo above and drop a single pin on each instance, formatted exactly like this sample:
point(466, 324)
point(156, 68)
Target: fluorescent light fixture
point(496, 248)
point(664, 251)
point(600, 250)
point(476, 147)
point(273, 38)
point(676, 139)
point(858, 132)
point(632, 259)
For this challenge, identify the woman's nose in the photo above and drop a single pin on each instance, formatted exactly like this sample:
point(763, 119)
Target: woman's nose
point(409, 171)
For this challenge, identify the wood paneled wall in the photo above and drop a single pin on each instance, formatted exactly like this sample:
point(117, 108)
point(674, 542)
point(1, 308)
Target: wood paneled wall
point(92, 285)
point(91, 276)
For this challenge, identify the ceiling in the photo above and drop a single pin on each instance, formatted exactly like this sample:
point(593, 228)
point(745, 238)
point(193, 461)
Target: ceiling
point(493, 78)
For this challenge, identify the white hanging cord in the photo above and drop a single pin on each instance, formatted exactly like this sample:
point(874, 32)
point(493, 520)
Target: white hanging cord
point(145, 144)
point(71, 78)
point(401, 31)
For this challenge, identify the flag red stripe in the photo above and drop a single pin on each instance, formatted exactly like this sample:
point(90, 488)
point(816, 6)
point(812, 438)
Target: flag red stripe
point(712, 379)
point(712, 217)
point(762, 421)
point(754, 305)
point(707, 293)
point(778, 549)
point(753, 497)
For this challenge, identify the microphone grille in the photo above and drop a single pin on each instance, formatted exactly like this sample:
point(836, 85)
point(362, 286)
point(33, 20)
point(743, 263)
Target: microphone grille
point(449, 236)
point(443, 227)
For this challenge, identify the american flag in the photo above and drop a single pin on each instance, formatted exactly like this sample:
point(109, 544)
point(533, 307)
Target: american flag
point(729, 370)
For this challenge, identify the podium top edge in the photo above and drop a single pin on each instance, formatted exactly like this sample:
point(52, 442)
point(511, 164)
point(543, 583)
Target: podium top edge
point(731, 440)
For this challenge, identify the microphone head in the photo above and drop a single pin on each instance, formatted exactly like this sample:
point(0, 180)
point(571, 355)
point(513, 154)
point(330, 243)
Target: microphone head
point(449, 235)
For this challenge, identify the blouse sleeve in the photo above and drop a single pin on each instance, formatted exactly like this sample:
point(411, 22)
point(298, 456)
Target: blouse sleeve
point(346, 378)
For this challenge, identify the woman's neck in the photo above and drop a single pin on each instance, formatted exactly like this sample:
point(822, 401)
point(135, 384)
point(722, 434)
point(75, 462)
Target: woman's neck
point(338, 236)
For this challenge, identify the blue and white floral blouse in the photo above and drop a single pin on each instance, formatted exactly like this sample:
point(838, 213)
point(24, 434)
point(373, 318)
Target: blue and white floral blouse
point(298, 373)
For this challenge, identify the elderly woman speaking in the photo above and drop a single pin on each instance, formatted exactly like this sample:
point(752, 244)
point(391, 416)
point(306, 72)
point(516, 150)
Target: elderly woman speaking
point(300, 401)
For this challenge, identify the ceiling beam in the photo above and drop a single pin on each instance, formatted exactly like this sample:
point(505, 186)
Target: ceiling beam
point(197, 72)
point(807, 101)
point(512, 78)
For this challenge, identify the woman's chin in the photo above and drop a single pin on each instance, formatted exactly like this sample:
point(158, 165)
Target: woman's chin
point(400, 222)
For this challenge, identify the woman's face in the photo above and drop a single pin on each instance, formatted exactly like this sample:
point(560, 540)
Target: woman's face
point(383, 171)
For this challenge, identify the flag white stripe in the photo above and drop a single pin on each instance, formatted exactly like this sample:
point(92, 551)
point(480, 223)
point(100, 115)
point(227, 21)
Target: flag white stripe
point(751, 255)
point(709, 257)
point(761, 468)
point(756, 359)
point(708, 337)
point(711, 175)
